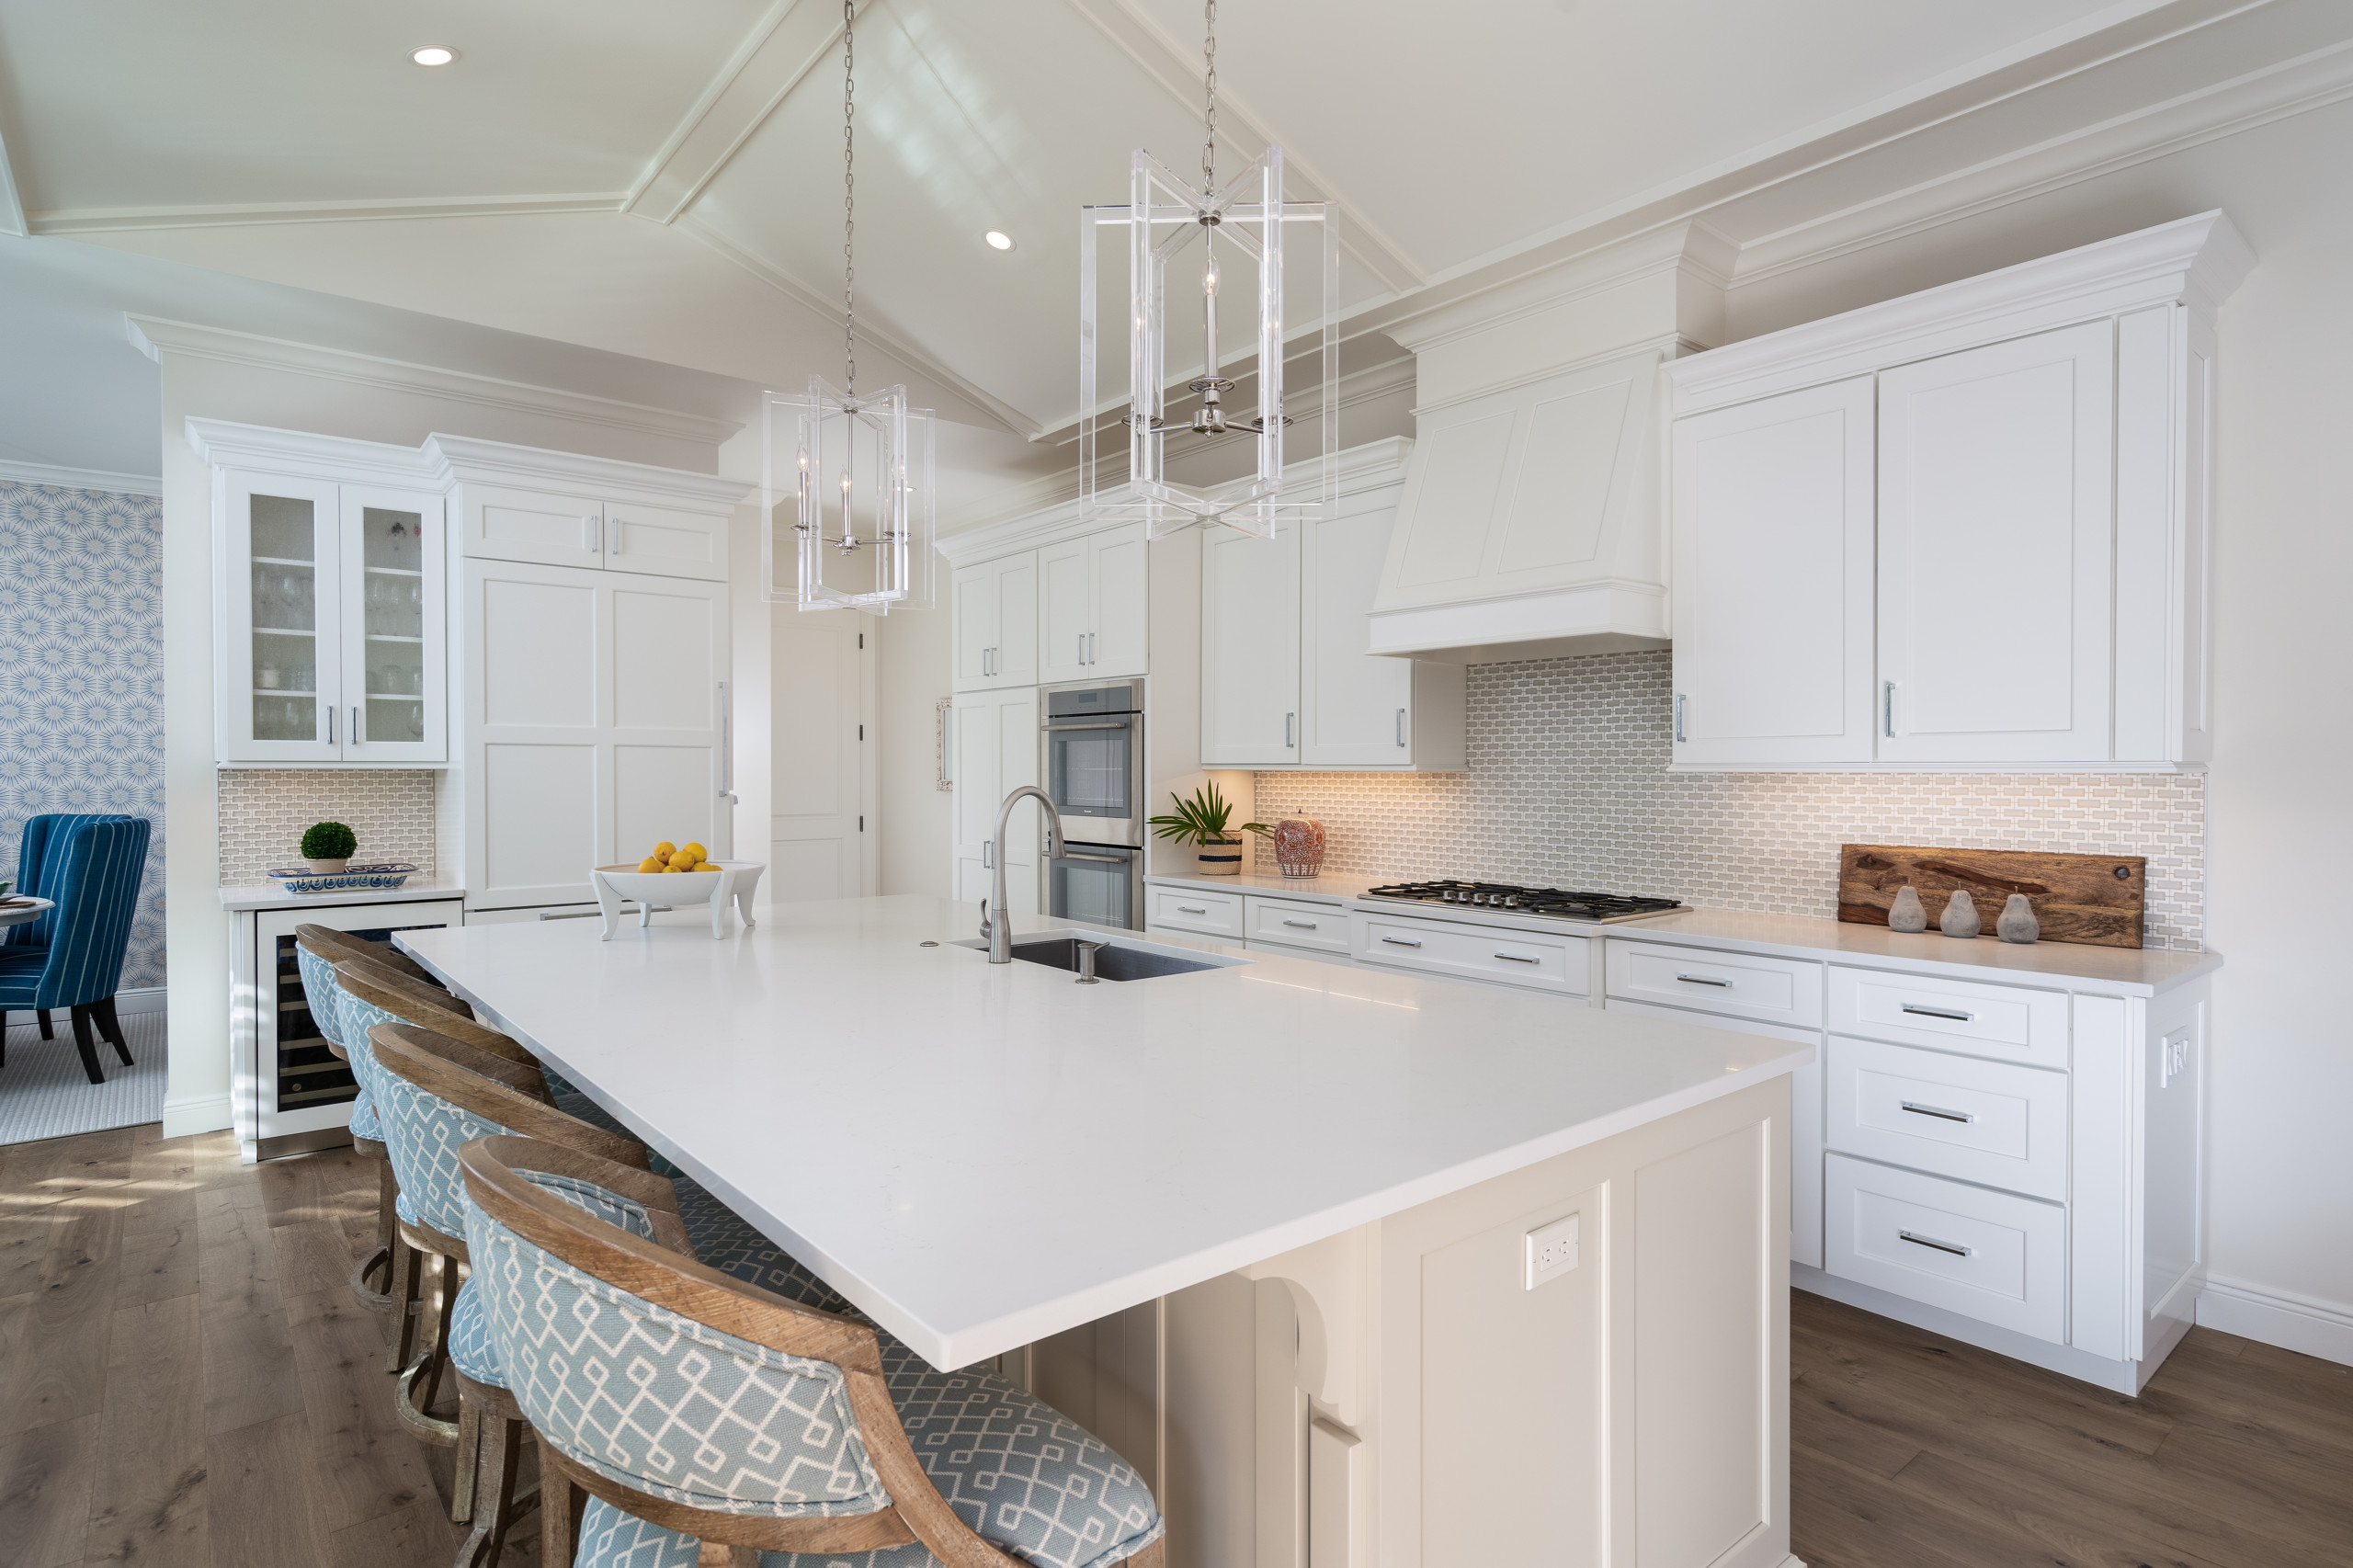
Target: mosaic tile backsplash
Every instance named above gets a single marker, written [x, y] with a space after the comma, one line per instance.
[1566, 786]
[265, 809]
[82, 676]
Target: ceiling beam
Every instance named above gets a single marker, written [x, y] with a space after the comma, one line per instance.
[120, 219]
[792, 39]
[1177, 71]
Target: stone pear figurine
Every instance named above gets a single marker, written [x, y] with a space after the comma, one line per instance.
[2017, 923]
[1960, 914]
[1907, 913]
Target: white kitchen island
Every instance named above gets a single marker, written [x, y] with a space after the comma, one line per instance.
[1271, 1228]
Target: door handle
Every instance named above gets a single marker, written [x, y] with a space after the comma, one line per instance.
[1401, 726]
[1887, 709]
[1287, 720]
[356, 737]
[1956, 1015]
[1094, 647]
[1934, 1111]
[1399, 942]
[1190, 909]
[1302, 925]
[1679, 716]
[330, 723]
[1518, 958]
[726, 749]
[988, 854]
[597, 536]
[1703, 979]
[1082, 647]
[1932, 1242]
[1098, 859]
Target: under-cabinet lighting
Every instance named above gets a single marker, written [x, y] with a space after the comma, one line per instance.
[433, 54]
[998, 239]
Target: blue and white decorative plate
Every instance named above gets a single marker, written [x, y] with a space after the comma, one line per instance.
[351, 879]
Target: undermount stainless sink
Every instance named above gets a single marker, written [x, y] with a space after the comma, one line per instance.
[1113, 960]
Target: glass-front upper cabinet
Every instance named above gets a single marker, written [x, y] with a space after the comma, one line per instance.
[333, 645]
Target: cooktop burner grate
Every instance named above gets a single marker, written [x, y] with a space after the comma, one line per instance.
[1603, 907]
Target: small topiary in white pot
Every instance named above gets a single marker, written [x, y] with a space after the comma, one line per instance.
[327, 848]
[1201, 822]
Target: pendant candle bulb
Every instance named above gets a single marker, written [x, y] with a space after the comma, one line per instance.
[879, 450]
[1251, 215]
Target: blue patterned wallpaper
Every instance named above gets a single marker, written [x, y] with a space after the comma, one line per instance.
[82, 676]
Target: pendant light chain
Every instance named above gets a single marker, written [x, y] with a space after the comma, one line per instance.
[849, 198]
[1208, 56]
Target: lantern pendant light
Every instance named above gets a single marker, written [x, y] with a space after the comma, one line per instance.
[1246, 225]
[860, 468]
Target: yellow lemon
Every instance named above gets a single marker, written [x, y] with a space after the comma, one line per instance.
[699, 852]
[669, 869]
[682, 859]
[665, 849]
[649, 864]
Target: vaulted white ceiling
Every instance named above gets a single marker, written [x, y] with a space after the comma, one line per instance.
[665, 181]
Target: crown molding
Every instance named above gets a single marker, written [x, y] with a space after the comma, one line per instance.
[784, 283]
[154, 337]
[123, 219]
[1692, 247]
[466, 457]
[1174, 67]
[2199, 259]
[105, 480]
[226, 443]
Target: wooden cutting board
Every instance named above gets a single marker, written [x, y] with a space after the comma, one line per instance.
[2092, 899]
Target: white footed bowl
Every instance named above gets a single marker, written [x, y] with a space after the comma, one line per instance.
[728, 882]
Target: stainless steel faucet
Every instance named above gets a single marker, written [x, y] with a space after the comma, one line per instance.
[997, 928]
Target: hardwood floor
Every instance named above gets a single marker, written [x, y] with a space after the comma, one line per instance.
[185, 1382]
[1909, 1449]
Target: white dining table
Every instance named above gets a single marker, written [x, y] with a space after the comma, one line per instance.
[16, 912]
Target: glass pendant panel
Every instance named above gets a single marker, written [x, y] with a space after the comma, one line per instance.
[1233, 293]
[846, 488]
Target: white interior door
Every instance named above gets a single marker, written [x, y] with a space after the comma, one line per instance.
[1354, 707]
[821, 691]
[1995, 538]
[1773, 562]
[1014, 660]
[1250, 648]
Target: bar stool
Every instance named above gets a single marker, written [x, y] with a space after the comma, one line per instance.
[348, 945]
[324, 992]
[688, 1407]
[436, 1094]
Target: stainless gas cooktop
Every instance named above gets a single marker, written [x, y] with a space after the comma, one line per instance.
[1604, 908]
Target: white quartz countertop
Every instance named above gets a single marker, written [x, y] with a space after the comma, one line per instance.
[2124, 972]
[269, 895]
[981, 1155]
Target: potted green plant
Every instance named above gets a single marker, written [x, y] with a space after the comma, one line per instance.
[1201, 822]
[327, 848]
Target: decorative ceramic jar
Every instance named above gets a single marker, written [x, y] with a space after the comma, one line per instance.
[1219, 856]
[1299, 846]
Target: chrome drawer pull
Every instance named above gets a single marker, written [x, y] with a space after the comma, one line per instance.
[1932, 1110]
[1518, 958]
[1703, 979]
[1931, 1242]
[1190, 909]
[1940, 1013]
[1302, 925]
[1399, 942]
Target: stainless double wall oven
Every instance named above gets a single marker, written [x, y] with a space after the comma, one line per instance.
[1090, 760]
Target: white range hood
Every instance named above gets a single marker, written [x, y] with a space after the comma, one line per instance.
[1532, 521]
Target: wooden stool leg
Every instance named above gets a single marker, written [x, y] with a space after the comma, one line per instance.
[468, 1463]
[408, 1268]
[110, 1026]
[381, 1261]
[561, 1505]
[496, 1505]
[420, 1385]
[85, 1045]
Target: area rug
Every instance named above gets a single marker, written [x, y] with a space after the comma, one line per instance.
[45, 1094]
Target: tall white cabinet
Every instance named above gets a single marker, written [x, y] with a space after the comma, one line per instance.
[995, 738]
[1974, 519]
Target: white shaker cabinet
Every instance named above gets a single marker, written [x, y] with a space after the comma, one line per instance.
[1288, 680]
[329, 646]
[1092, 607]
[995, 623]
[994, 735]
[1995, 538]
[1773, 517]
[577, 521]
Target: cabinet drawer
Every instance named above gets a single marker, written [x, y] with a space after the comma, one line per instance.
[1540, 959]
[1772, 991]
[1951, 1015]
[1990, 1255]
[1320, 926]
[1186, 909]
[1984, 1121]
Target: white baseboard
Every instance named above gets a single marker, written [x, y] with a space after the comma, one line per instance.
[198, 1113]
[2277, 1317]
[143, 999]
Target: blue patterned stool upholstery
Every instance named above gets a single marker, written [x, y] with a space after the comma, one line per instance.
[328, 1003]
[672, 1408]
[470, 1350]
[365, 1122]
[576, 1102]
[726, 1241]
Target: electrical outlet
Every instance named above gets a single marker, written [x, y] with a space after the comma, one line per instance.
[2176, 1061]
[1551, 1251]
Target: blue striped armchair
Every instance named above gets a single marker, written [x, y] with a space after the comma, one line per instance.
[71, 957]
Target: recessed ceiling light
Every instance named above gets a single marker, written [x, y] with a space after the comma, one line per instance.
[433, 54]
[998, 239]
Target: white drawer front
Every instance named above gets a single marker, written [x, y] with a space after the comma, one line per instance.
[1773, 991]
[1321, 926]
[1183, 909]
[1805, 1120]
[1311, 955]
[1957, 1116]
[1990, 1255]
[2008, 1021]
[1542, 960]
